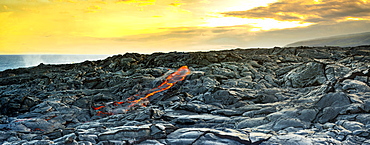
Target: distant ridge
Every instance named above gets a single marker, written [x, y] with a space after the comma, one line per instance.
[341, 40]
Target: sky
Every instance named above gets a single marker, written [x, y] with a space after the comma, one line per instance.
[147, 26]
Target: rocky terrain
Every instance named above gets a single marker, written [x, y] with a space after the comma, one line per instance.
[297, 95]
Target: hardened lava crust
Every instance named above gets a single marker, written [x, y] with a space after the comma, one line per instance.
[292, 95]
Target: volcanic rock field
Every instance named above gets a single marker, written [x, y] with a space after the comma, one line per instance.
[293, 95]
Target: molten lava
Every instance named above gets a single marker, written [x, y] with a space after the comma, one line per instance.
[170, 81]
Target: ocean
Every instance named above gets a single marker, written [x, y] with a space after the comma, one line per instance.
[23, 61]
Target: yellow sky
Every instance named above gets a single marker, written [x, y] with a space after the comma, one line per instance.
[146, 26]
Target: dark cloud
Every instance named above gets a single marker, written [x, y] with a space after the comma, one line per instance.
[286, 36]
[239, 37]
[327, 10]
[169, 33]
[203, 38]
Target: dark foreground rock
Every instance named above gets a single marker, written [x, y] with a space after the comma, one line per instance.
[245, 96]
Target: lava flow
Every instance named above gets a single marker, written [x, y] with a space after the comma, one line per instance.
[170, 81]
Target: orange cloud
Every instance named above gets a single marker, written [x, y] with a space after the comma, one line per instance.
[139, 2]
[176, 4]
[93, 9]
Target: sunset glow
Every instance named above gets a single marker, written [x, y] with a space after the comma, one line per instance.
[119, 26]
[255, 24]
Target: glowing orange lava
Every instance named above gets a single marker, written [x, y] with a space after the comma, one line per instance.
[170, 81]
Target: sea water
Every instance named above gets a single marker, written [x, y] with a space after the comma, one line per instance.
[23, 61]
